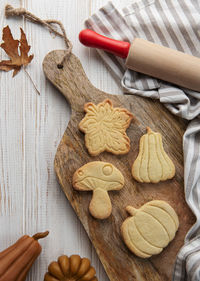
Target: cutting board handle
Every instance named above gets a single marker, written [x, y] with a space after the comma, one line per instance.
[70, 80]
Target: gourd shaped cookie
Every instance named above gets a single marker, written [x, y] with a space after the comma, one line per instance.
[150, 228]
[105, 128]
[99, 177]
[152, 164]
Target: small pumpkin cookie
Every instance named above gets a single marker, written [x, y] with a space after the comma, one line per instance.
[105, 128]
[150, 228]
[99, 177]
[152, 164]
[71, 268]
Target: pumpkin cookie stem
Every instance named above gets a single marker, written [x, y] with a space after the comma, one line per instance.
[149, 131]
[132, 211]
[40, 235]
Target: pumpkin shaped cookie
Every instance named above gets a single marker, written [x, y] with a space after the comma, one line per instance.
[150, 228]
[72, 268]
[152, 164]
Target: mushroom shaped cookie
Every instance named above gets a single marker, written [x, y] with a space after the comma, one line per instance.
[150, 228]
[99, 177]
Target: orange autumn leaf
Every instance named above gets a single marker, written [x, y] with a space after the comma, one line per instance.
[12, 47]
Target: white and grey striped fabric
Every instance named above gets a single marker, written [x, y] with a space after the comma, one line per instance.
[175, 24]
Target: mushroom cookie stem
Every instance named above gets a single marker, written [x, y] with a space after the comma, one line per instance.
[100, 205]
[99, 177]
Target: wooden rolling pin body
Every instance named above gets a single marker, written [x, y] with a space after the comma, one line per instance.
[149, 58]
[164, 63]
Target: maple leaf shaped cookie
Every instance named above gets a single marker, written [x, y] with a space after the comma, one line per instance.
[105, 128]
[11, 46]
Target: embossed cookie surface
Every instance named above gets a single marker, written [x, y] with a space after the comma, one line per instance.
[152, 164]
[150, 228]
[99, 177]
[105, 128]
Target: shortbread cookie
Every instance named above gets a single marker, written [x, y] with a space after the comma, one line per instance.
[150, 228]
[152, 164]
[105, 128]
[99, 177]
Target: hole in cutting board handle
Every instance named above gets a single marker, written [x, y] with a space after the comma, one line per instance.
[71, 80]
[59, 66]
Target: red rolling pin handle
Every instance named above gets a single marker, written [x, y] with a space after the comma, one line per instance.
[92, 39]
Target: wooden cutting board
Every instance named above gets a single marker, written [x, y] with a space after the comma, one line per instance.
[119, 263]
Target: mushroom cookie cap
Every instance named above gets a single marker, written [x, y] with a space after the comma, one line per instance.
[98, 174]
[150, 228]
[98, 177]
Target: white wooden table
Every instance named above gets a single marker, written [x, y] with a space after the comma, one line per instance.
[31, 127]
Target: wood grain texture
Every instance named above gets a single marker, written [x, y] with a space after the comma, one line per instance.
[119, 263]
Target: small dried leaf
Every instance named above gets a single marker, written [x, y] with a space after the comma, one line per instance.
[11, 47]
[24, 49]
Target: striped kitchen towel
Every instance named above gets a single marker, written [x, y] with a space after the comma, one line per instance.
[175, 24]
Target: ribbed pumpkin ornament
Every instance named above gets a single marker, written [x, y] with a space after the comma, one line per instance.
[150, 228]
[152, 163]
[16, 260]
[72, 268]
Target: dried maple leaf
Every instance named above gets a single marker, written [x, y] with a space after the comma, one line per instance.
[105, 128]
[11, 47]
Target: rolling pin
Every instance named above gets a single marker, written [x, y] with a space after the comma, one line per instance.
[149, 58]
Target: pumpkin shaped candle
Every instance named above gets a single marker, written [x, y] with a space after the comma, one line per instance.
[16, 261]
[152, 164]
[150, 228]
[72, 268]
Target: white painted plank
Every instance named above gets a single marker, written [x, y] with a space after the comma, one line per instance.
[11, 148]
[101, 77]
